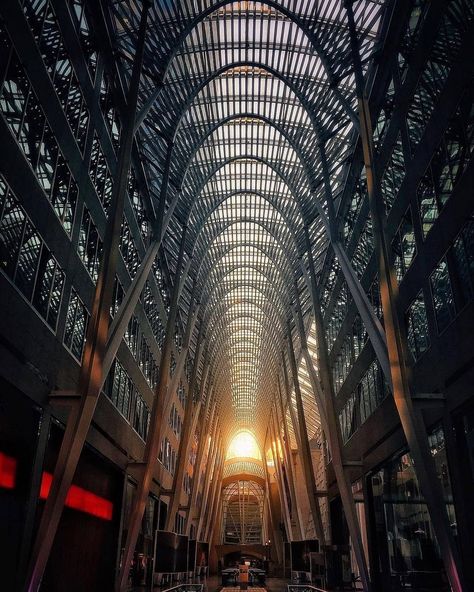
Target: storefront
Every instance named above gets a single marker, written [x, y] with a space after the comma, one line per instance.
[405, 552]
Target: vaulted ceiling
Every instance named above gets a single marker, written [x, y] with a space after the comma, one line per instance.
[247, 99]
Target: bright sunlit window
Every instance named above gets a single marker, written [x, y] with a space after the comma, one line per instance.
[243, 445]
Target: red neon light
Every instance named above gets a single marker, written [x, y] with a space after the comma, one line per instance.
[7, 471]
[46, 480]
[80, 499]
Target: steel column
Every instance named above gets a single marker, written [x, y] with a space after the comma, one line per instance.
[200, 456]
[212, 518]
[90, 376]
[306, 457]
[371, 322]
[147, 105]
[190, 415]
[323, 392]
[211, 460]
[270, 506]
[289, 464]
[214, 483]
[294, 420]
[411, 418]
[279, 476]
[178, 372]
[153, 441]
[130, 300]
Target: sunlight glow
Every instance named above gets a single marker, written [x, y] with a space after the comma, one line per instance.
[244, 445]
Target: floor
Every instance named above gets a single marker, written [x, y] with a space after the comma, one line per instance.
[277, 584]
[213, 584]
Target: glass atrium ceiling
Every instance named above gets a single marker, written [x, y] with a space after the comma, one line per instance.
[248, 97]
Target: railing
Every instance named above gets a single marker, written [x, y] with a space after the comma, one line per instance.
[304, 588]
[185, 588]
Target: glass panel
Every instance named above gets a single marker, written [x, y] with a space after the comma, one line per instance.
[442, 295]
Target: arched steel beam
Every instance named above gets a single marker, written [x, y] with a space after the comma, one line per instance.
[261, 359]
[217, 275]
[259, 221]
[212, 127]
[246, 346]
[227, 291]
[314, 42]
[247, 302]
[215, 292]
[257, 116]
[253, 296]
[225, 250]
[237, 267]
[242, 157]
[226, 323]
[306, 107]
[274, 349]
[226, 226]
[259, 194]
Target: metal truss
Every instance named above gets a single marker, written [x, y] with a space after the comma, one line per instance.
[243, 119]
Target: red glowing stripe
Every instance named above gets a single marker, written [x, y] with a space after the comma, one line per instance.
[46, 480]
[7, 471]
[80, 499]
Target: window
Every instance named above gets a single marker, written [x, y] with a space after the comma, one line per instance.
[448, 164]
[109, 112]
[117, 297]
[26, 260]
[90, 245]
[126, 398]
[365, 247]
[371, 390]
[152, 311]
[359, 336]
[141, 416]
[393, 175]
[129, 250]
[181, 392]
[131, 335]
[347, 418]
[120, 389]
[187, 483]
[43, 23]
[167, 456]
[403, 246]
[100, 174]
[417, 327]
[461, 256]
[443, 299]
[175, 421]
[83, 29]
[76, 325]
[179, 523]
[343, 363]
[375, 298]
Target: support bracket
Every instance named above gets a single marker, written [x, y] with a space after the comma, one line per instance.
[66, 398]
[425, 400]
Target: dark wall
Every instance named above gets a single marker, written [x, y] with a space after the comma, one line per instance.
[19, 422]
[85, 549]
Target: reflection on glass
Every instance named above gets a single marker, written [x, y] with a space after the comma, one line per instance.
[408, 549]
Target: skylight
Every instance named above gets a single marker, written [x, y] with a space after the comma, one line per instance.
[243, 445]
